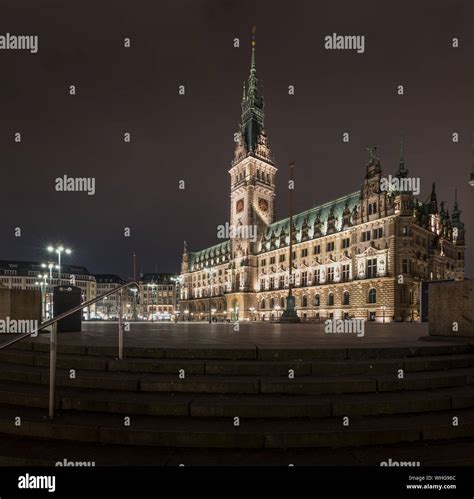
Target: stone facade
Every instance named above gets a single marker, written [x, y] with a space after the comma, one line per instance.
[362, 256]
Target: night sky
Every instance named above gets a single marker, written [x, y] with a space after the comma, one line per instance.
[191, 137]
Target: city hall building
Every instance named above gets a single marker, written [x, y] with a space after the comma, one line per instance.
[363, 255]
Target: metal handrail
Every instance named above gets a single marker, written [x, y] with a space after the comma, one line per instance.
[54, 331]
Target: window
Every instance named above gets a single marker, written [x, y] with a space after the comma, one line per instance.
[304, 301]
[281, 282]
[372, 208]
[316, 250]
[366, 236]
[372, 298]
[272, 283]
[293, 255]
[272, 303]
[371, 268]
[330, 246]
[404, 231]
[317, 276]
[263, 262]
[345, 272]
[346, 242]
[317, 300]
[282, 257]
[263, 304]
[330, 277]
[331, 299]
[304, 252]
[345, 298]
[405, 266]
[262, 284]
[272, 260]
[304, 278]
[378, 233]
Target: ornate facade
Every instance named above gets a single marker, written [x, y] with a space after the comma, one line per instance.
[363, 255]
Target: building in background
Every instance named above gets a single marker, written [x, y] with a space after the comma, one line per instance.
[158, 298]
[362, 256]
[108, 308]
[15, 274]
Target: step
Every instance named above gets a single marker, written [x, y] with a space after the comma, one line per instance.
[248, 352]
[30, 451]
[255, 406]
[255, 434]
[239, 367]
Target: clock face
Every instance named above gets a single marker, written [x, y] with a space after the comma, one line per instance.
[239, 205]
[263, 204]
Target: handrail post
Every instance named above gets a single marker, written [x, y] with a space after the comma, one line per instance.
[52, 367]
[120, 355]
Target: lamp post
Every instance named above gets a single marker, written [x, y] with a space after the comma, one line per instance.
[134, 304]
[42, 284]
[289, 314]
[277, 309]
[383, 312]
[252, 310]
[59, 250]
[50, 266]
[209, 274]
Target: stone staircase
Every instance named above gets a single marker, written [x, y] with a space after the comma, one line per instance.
[234, 405]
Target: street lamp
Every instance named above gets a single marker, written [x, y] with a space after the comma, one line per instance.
[209, 273]
[383, 311]
[42, 284]
[134, 303]
[152, 287]
[277, 309]
[252, 312]
[59, 250]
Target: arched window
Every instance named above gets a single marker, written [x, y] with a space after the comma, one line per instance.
[331, 299]
[372, 295]
[263, 304]
[317, 300]
[282, 302]
[272, 303]
[345, 298]
[304, 302]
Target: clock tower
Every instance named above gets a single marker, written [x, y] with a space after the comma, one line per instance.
[252, 185]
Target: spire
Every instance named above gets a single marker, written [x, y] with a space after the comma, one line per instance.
[456, 216]
[252, 117]
[402, 170]
[433, 200]
[243, 91]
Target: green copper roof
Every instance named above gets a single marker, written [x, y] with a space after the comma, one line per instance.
[215, 255]
[336, 208]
